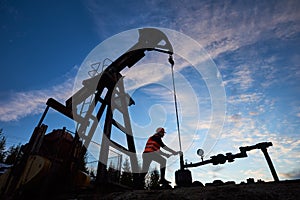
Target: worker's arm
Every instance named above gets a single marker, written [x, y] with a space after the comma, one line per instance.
[165, 154]
[160, 142]
[171, 150]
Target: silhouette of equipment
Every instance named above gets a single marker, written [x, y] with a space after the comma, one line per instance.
[53, 162]
[110, 84]
[58, 155]
[183, 176]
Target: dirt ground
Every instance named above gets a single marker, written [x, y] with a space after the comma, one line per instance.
[287, 190]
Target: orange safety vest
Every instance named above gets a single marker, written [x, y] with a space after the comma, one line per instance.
[151, 146]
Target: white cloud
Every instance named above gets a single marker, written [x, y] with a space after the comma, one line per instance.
[256, 174]
[244, 131]
[242, 76]
[22, 104]
[220, 27]
[293, 174]
[246, 98]
[224, 26]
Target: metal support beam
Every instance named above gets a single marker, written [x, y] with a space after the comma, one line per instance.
[271, 166]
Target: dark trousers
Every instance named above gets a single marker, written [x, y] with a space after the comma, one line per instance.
[157, 157]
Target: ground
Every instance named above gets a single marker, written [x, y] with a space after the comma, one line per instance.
[288, 190]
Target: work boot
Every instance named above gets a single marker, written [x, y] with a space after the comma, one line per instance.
[164, 181]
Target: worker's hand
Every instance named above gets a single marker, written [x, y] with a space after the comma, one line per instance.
[178, 153]
[168, 155]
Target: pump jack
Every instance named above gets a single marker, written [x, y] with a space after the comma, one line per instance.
[37, 162]
[50, 162]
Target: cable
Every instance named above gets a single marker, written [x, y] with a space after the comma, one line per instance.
[171, 61]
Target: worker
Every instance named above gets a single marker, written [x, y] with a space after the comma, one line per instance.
[152, 152]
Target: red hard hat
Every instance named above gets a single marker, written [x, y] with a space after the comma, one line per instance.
[160, 130]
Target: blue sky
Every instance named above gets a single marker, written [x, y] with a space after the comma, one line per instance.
[253, 44]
